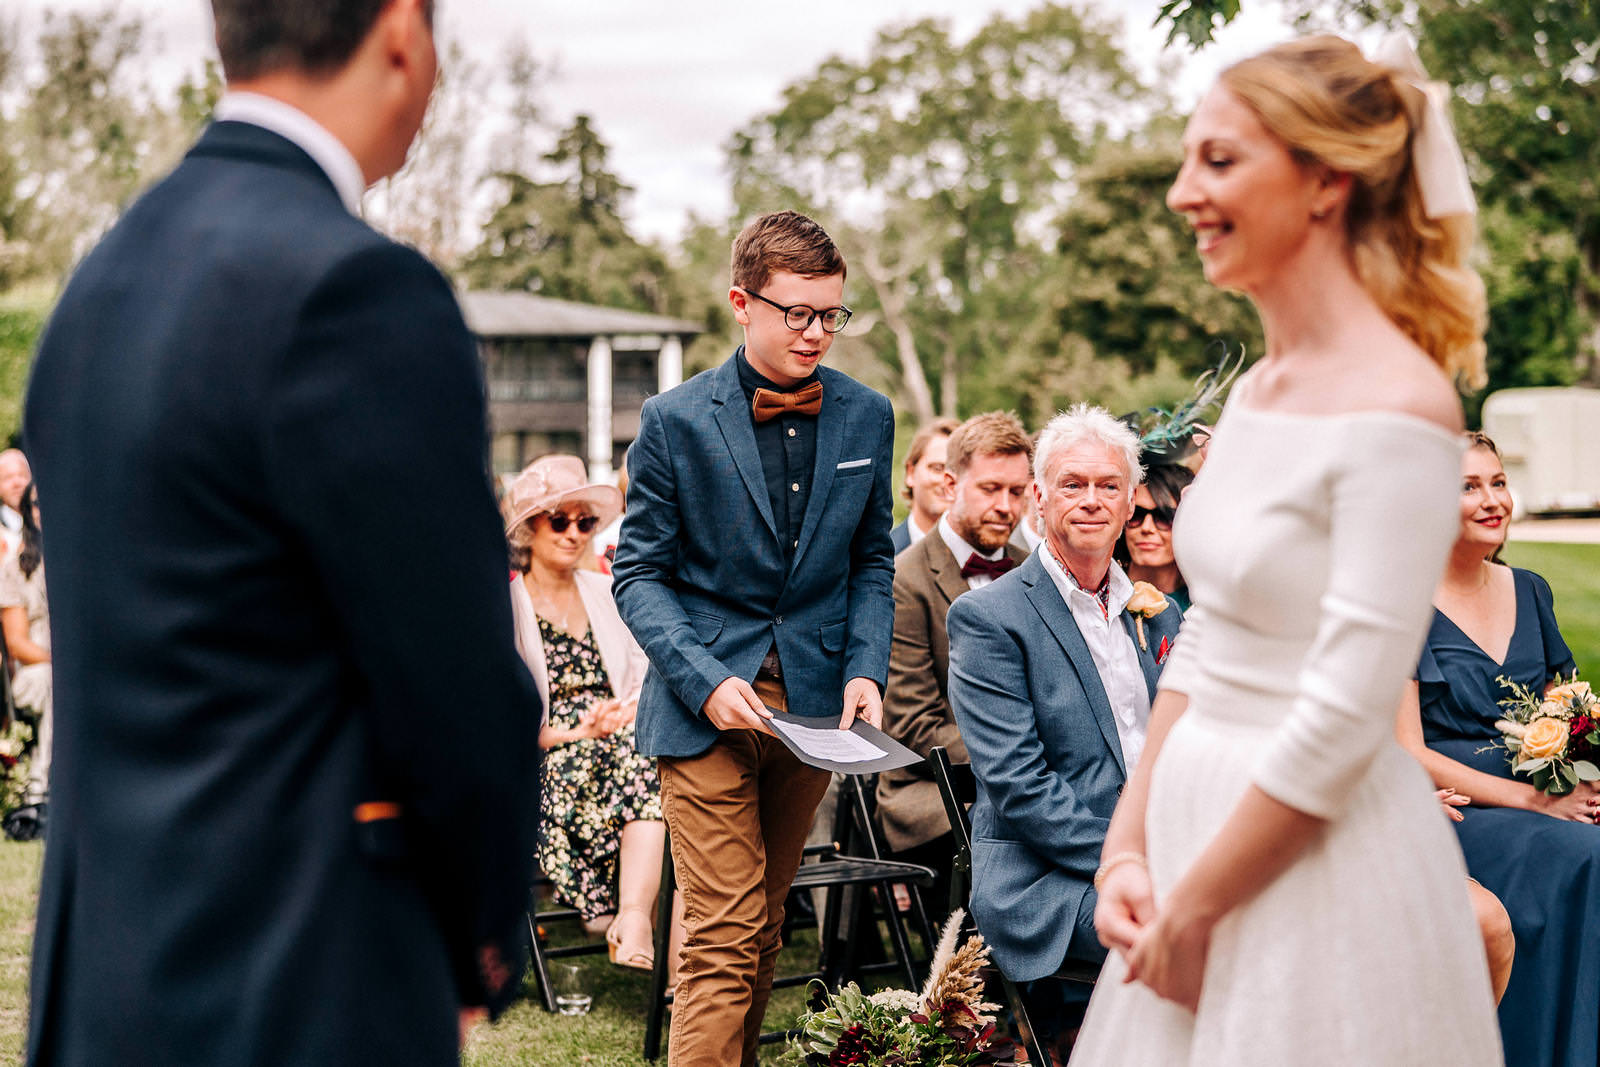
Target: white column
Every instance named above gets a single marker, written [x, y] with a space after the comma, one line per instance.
[600, 410]
[669, 365]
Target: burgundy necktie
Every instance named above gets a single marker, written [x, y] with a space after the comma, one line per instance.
[994, 568]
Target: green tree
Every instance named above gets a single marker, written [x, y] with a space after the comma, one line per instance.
[1196, 21]
[1131, 320]
[21, 321]
[566, 238]
[427, 203]
[1526, 104]
[702, 263]
[84, 134]
[937, 165]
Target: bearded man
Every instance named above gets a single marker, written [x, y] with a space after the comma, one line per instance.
[987, 473]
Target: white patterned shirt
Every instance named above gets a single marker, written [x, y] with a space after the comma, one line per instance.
[1116, 657]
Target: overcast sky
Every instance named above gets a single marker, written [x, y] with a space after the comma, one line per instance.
[667, 83]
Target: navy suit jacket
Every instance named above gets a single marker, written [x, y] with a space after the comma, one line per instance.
[1045, 751]
[277, 591]
[702, 581]
[901, 536]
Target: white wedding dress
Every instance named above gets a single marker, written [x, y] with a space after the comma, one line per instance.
[1311, 545]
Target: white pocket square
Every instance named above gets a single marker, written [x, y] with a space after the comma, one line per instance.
[847, 464]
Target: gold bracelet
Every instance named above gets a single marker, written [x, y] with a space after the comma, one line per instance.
[1116, 861]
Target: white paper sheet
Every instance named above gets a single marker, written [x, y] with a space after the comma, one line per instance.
[840, 746]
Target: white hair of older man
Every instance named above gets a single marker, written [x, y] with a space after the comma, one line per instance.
[1086, 422]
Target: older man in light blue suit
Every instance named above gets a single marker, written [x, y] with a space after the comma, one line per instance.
[1051, 678]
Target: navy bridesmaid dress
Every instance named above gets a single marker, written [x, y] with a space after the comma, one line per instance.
[1545, 870]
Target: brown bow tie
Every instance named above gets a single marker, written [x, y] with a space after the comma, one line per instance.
[769, 405]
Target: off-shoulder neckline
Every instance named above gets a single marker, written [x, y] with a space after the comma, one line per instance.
[1405, 418]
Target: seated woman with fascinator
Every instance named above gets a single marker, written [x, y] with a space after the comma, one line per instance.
[1540, 854]
[1145, 550]
[600, 832]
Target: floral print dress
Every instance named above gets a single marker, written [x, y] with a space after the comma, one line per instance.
[590, 788]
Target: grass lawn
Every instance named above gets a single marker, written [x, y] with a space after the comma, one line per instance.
[611, 1035]
[19, 893]
[1573, 572]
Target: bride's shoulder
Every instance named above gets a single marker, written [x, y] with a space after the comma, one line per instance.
[1395, 380]
[1398, 380]
[1411, 384]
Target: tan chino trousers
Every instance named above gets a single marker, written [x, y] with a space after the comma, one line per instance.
[739, 814]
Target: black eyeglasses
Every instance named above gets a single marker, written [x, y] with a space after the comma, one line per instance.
[1163, 517]
[559, 522]
[798, 316]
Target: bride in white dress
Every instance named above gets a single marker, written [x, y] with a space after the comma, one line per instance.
[1279, 885]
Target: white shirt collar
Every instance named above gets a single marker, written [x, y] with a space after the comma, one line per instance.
[1121, 586]
[294, 125]
[959, 547]
[1111, 646]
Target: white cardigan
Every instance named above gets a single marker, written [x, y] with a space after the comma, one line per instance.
[620, 654]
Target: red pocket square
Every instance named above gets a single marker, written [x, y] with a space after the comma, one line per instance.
[1164, 650]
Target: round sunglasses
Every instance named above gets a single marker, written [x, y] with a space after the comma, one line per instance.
[559, 522]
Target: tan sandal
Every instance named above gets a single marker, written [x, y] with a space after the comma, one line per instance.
[640, 959]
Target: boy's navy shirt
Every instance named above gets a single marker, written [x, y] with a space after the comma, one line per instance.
[788, 448]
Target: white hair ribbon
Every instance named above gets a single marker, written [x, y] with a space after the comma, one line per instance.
[1435, 155]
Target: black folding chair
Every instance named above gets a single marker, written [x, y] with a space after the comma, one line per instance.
[958, 788]
[541, 952]
[860, 838]
[828, 867]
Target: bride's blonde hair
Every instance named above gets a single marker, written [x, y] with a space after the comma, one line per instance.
[1324, 100]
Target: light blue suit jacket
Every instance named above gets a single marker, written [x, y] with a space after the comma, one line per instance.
[1045, 751]
[702, 581]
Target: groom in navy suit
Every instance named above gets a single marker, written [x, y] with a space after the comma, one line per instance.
[1052, 670]
[754, 567]
[292, 812]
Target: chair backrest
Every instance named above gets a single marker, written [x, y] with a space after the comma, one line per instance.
[856, 825]
[957, 788]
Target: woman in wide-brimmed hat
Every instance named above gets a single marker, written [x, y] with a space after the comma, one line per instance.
[600, 834]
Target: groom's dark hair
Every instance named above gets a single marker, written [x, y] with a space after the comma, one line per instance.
[257, 37]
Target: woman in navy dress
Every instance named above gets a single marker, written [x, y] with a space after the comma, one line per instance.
[1539, 854]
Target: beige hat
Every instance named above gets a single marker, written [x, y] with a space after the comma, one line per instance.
[551, 481]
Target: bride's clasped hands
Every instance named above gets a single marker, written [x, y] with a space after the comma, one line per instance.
[1164, 948]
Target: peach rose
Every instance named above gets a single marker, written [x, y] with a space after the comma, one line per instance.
[1546, 737]
[1567, 696]
[1146, 600]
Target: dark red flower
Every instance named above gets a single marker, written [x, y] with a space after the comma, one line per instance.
[853, 1048]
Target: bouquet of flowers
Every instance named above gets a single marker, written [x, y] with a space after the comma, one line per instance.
[946, 1025]
[1553, 738]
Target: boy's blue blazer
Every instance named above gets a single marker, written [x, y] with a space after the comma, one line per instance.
[701, 579]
